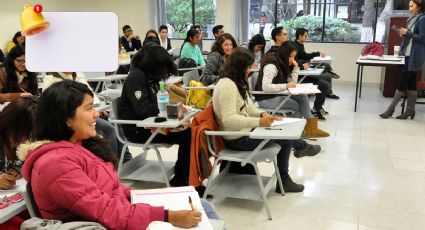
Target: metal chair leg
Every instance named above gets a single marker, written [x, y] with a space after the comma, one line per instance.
[263, 192]
[161, 164]
[210, 179]
[279, 178]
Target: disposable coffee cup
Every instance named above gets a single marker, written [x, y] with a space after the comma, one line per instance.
[396, 51]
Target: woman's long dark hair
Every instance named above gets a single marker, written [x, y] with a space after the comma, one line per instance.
[235, 68]
[58, 104]
[12, 85]
[220, 40]
[155, 62]
[190, 34]
[16, 125]
[283, 53]
[258, 39]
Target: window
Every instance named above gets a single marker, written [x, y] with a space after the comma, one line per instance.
[181, 14]
[327, 20]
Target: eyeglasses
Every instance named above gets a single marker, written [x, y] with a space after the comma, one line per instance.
[129, 31]
[20, 61]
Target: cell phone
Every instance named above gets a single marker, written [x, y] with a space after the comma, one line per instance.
[395, 27]
[160, 119]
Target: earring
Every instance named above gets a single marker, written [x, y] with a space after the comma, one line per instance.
[67, 123]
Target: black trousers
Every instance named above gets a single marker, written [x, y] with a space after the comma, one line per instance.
[183, 139]
[247, 144]
[407, 79]
[323, 84]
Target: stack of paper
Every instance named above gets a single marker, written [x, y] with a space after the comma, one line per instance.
[284, 121]
[322, 59]
[19, 187]
[306, 88]
[176, 198]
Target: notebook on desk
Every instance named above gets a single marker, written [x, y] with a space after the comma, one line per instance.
[176, 198]
[305, 88]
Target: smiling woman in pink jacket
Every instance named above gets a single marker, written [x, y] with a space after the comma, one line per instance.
[71, 170]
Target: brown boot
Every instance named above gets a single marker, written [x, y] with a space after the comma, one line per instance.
[312, 131]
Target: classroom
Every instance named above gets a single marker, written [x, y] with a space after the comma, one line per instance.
[267, 114]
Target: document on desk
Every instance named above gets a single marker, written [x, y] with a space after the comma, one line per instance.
[381, 58]
[322, 59]
[19, 187]
[307, 88]
[176, 198]
[284, 121]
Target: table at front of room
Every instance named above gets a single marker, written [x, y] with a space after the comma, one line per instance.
[368, 62]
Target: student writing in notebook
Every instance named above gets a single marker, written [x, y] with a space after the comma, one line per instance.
[16, 81]
[72, 170]
[278, 72]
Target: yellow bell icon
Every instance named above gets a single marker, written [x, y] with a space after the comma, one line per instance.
[32, 22]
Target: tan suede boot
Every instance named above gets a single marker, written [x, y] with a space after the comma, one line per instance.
[312, 131]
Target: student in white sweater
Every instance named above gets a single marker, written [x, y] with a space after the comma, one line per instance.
[235, 111]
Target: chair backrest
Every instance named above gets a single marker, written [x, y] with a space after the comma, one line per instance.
[114, 107]
[189, 76]
[30, 202]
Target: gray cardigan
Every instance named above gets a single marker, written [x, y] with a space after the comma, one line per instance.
[212, 68]
[417, 53]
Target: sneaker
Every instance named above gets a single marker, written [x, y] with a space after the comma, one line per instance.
[332, 96]
[319, 115]
[289, 185]
[324, 112]
[308, 150]
[201, 190]
[334, 75]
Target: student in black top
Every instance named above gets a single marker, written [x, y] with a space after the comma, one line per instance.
[323, 82]
[138, 101]
[129, 41]
[218, 31]
[163, 37]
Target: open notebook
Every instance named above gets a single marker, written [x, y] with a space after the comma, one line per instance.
[286, 120]
[176, 198]
[304, 88]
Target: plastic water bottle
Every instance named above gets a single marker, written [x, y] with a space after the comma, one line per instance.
[163, 99]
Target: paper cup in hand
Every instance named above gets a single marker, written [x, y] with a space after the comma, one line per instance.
[396, 51]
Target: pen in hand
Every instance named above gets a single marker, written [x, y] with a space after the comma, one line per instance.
[191, 204]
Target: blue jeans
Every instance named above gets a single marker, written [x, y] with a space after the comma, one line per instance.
[298, 103]
[211, 214]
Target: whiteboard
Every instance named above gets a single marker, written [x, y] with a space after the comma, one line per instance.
[75, 42]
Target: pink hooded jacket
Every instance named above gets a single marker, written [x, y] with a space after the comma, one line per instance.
[71, 183]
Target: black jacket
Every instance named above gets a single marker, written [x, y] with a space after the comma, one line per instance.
[138, 98]
[303, 57]
[135, 44]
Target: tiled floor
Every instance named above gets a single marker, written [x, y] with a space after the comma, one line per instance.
[370, 174]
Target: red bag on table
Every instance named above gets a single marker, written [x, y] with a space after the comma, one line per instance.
[373, 48]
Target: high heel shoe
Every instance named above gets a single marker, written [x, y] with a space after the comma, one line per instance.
[406, 115]
[386, 114]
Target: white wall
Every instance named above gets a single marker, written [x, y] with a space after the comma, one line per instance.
[136, 13]
[142, 14]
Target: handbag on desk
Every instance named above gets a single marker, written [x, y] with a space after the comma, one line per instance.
[373, 48]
